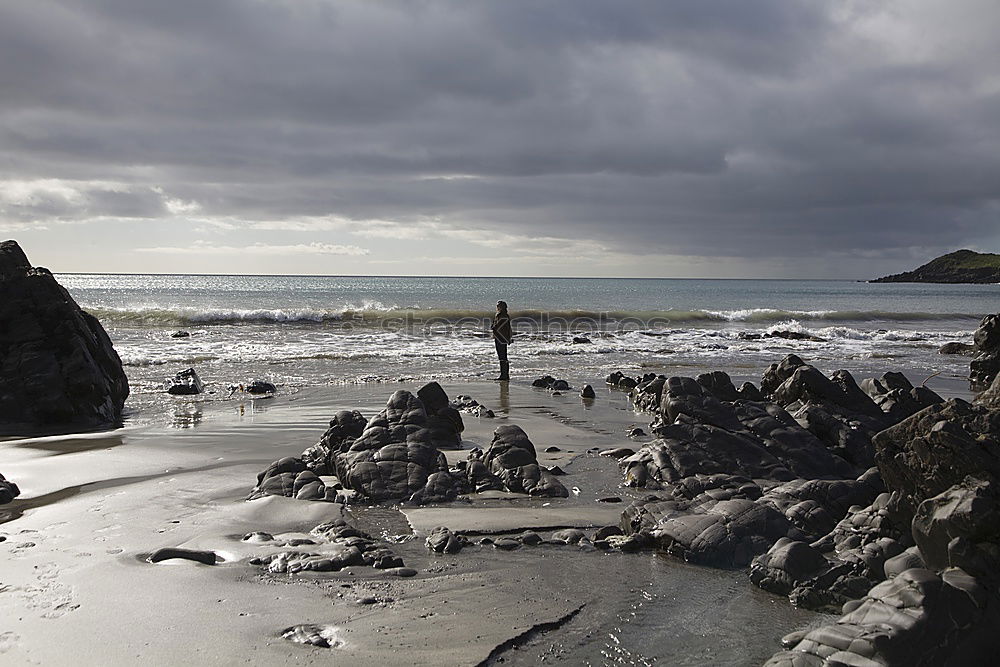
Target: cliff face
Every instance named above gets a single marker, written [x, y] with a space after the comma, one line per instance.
[962, 266]
[58, 369]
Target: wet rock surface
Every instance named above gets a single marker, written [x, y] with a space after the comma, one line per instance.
[925, 553]
[58, 368]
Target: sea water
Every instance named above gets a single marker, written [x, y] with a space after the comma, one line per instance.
[299, 331]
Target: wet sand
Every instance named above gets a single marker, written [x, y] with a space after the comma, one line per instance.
[76, 588]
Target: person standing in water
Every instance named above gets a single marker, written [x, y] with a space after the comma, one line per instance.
[502, 336]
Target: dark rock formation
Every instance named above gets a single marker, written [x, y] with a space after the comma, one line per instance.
[934, 537]
[345, 427]
[58, 369]
[587, 392]
[986, 362]
[8, 490]
[185, 383]
[170, 553]
[181, 334]
[794, 335]
[961, 266]
[396, 457]
[510, 464]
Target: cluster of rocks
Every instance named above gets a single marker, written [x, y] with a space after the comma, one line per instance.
[879, 499]
[8, 490]
[396, 456]
[58, 369]
[549, 382]
[932, 542]
[471, 406]
[188, 383]
[443, 541]
[351, 547]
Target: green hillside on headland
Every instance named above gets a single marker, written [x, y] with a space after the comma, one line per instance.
[961, 266]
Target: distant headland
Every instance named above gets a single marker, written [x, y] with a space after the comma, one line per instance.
[961, 266]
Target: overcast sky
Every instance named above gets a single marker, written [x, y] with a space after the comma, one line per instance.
[694, 138]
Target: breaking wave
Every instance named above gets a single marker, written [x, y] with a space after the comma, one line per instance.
[375, 313]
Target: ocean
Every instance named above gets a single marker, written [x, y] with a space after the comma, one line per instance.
[302, 331]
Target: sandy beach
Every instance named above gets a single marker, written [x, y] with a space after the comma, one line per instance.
[77, 588]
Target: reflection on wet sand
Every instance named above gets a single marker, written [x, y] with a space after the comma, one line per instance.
[68, 445]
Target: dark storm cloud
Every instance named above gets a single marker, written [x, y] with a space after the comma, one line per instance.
[771, 128]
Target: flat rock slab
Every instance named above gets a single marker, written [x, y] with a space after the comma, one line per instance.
[508, 519]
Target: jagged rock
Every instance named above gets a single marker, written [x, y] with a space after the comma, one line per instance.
[8, 490]
[777, 373]
[960, 527]
[916, 618]
[749, 392]
[684, 396]
[849, 438]
[986, 362]
[936, 449]
[807, 384]
[647, 392]
[185, 383]
[718, 384]
[58, 368]
[897, 398]
[511, 459]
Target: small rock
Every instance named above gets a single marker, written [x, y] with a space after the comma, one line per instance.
[506, 544]
[180, 334]
[609, 499]
[258, 537]
[605, 532]
[168, 553]
[636, 433]
[581, 340]
[587, 392]
[552, 449]
[530, 538]
[401, 571]
[568, 535]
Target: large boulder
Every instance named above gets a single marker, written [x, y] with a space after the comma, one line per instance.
[395, 457]
[345, 427]
[511, 460]
[58, 368]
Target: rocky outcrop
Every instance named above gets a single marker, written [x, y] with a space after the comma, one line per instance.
[934, 538]
[8, 490]
[510, 464]
[986, 360]
[396, 455]
[549, 382]
[58, 368]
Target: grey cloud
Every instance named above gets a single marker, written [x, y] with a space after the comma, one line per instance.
[770, 128]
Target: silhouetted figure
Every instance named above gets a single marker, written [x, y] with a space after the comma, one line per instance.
[502, 336]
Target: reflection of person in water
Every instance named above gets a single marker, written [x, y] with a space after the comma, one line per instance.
[502, 336]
